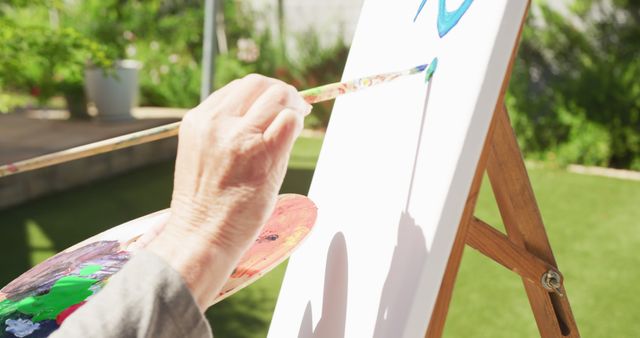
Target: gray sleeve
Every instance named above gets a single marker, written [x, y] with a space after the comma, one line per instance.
[147, 298]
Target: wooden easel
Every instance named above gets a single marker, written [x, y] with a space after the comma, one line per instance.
[525, 249]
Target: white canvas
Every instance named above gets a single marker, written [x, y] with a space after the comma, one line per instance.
[395, 169]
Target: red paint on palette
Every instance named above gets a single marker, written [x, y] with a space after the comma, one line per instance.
[62, 316]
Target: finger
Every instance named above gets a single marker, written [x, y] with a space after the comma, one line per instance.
[236, 97]
[151, 233]
[274, 100]
[282, 133]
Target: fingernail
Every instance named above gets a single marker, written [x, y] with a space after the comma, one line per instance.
[307, 109]
[302, 106]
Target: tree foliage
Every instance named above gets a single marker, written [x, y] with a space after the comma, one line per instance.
[575, 93]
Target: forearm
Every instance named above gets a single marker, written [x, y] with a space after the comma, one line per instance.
[147, 298]
[194, 257]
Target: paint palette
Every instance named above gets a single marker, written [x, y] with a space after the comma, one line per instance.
[36, 303]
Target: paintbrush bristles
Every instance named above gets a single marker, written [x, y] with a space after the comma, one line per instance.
[313, 95]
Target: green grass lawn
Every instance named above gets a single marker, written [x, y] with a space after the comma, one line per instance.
[592, 223]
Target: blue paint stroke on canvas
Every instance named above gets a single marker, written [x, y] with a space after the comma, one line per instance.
[446, 19]
[419, 10]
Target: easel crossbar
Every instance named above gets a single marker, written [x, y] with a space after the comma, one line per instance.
[497, 246]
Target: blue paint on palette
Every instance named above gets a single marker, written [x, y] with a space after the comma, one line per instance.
[446, 19]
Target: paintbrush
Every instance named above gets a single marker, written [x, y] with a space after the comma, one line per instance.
[313, 95]
[333, 90]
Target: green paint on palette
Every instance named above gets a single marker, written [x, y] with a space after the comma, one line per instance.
[432, 69]
[89, 270]
[7, 307]
[65, 292]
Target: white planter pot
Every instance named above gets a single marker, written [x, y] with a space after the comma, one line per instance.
[114, 92]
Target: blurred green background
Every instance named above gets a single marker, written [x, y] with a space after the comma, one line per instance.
[574, 95]
[574, 98]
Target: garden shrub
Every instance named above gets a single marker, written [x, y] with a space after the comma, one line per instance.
[166, 36]
[37, 59]
[588, 143]
[588, 70]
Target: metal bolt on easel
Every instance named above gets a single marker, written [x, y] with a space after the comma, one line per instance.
[552, 281]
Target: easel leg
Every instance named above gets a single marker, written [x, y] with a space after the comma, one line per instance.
[506, 170]
[441, 308]
[524, 225]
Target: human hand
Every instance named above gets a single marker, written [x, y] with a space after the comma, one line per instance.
[232, 156]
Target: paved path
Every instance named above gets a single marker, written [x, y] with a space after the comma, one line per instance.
[29, 134]
[35, 133]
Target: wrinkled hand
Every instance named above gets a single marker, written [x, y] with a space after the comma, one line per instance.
[232, 157]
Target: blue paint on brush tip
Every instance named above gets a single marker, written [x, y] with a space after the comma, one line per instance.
[422, 67]
[432, 69]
